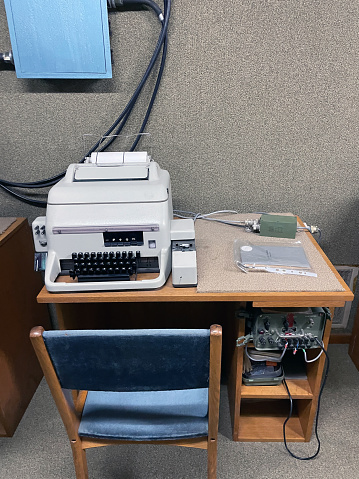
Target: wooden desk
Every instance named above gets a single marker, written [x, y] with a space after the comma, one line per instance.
[184, 307]
[20, 372]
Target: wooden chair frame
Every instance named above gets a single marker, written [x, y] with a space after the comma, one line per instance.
[70, 406]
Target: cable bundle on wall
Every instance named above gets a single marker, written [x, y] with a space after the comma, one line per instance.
[118, 125]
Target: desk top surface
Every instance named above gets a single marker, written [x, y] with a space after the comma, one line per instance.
[170, 294]
[261, 298]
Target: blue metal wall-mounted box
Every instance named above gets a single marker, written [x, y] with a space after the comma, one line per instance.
[59, 38]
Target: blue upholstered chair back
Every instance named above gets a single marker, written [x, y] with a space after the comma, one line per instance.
[130, 360]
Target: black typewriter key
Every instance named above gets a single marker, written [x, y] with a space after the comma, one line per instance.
[84, 270]
[82, 264]
[110, 271]
[102, 264]
[124, 255]
[120, 263]
[103, 270]
[130, 271]
[105, 255]
[123, 270]
[76, 265]
[80, 255]
[130, 254]
[99, 255]
[111, 254]
[118, 254]
[74, 256]
[93, 255]
[117, 270]
[88, 264]
[72, 273]
[98, 270]
[138, 254]
[91, 271]
[86, 255]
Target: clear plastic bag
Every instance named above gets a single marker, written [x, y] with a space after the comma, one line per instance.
[280, 258]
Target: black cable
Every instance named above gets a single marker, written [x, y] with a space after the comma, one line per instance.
[154, 94]
[120, 120]
[124, 3]
[149, 108]
[34, 184]
[135, 96]
[316, 416]
[23, 198]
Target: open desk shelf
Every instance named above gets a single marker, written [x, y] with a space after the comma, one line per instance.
[262, 421]
[258, 412]
[299, 389]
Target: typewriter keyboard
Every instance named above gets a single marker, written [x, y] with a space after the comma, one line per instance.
[104, 266]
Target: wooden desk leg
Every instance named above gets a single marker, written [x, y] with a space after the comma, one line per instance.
[64, 315]
[307, 410]
[235, 376]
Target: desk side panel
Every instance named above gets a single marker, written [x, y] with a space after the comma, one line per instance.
[20, 372]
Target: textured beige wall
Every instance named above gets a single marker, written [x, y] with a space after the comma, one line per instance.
[257, 111]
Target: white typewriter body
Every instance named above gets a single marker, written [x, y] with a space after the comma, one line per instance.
[108, 207]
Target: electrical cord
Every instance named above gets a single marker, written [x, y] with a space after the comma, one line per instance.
[240, 223]
[312, 230]
[314, 359]
[137, 92]
[25, 199]
[317, 414]
[154, 94]
[123, 3]
[206, 216]
[121, 120]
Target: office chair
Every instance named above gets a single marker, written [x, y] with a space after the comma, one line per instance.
[134, 386]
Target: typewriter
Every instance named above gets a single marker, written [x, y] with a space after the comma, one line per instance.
[109, 226]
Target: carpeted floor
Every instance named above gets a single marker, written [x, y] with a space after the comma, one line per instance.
[40, 449]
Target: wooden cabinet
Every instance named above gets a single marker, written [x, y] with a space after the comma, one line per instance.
[20, 372]
[258, 412]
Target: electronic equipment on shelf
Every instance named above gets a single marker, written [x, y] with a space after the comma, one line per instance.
[108, 223]
[276, 329]
[262, 369]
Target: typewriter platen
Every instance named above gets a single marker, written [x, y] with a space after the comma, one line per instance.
[109, 226]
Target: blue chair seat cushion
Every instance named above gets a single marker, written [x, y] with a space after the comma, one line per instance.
[145, 415]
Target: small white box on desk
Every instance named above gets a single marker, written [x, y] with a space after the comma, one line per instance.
[184, 257]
